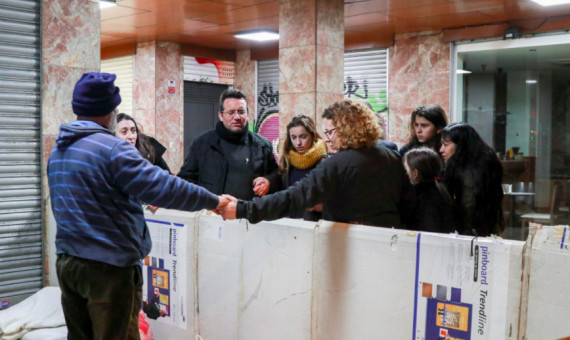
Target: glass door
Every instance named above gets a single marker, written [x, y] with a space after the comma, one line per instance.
[516, 93]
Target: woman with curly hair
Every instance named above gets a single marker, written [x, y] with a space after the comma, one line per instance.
[473, 175]
[363, 183]
[302, 151]
[425, 125]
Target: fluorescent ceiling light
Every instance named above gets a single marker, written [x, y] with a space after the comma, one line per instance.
[258, 36]
[106, 3]
[551, 2]
[463, 72]
[531, 81]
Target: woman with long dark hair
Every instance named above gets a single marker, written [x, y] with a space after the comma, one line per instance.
[473, 175]
[302, 151]
[425, 125]
[127, 129]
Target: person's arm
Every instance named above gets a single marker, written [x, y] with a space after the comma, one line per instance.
[272, 171]
[407, 199]
[190, 170]
[150, 184]
[319, 184]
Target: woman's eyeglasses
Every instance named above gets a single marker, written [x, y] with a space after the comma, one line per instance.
[328, 133]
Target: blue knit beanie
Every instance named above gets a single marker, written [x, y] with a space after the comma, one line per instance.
[95, 94]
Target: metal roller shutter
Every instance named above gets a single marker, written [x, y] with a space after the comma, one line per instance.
[366, 77]
[206, 70]
[21, 260]
[267, 105]
[267, 89]
[123, 68]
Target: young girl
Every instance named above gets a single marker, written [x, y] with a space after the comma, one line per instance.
[432, 212]
[301, 152]
[425, 125]
[473, 176]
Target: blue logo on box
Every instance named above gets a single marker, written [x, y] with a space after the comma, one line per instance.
[4, 304]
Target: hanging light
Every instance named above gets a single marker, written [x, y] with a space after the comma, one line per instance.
[107, 3]
[551, 2]
[258, 36]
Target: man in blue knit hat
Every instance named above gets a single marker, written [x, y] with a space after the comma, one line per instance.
[97, 183]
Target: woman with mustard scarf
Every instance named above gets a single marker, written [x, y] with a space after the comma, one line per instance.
[302, 151]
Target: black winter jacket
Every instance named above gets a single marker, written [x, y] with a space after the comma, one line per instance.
[206, 165]
[159, 150]
[432, 213]
[366, 186]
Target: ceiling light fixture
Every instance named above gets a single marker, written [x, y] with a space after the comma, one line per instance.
[531, 81]
[106, 3]
[258, 36]
[551, 2]
[463, 72]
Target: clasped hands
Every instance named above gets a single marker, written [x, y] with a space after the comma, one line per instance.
[228, 204]
[227, 207]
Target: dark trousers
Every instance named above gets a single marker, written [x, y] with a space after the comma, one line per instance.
[100, 301]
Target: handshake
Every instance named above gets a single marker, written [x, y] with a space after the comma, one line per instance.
[227, 207]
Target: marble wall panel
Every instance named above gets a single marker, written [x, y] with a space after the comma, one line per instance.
[297, 23]
[145, 120]
[329, 76]
[71, 33]
[57, 92]
[323, 100]
[48, 143]
[244, 79]
[418, 75]
[70, 47]
[309, 73]
[297, 67]
[170, 107]
[174, 155]
[330, 23]
[144, 76]
[292, 104]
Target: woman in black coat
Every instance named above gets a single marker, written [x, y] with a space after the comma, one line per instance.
[473, 175]
[148, 147]
[363, 183]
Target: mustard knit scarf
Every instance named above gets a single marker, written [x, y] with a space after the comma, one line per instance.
[309, 158]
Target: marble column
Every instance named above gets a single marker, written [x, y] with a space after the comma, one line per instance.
[159, 112]
[418, 75]
[311, 56]
[244, 79]
[70, 47]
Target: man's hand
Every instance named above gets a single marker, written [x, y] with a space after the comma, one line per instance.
[261, 186]
[224, 200]
[229, 211]
[152, 208]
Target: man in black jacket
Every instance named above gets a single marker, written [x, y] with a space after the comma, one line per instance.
[230, 159]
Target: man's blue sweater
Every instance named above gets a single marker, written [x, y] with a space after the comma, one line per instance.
[97, 183]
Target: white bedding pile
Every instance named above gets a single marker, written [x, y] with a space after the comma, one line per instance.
[40, 311]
